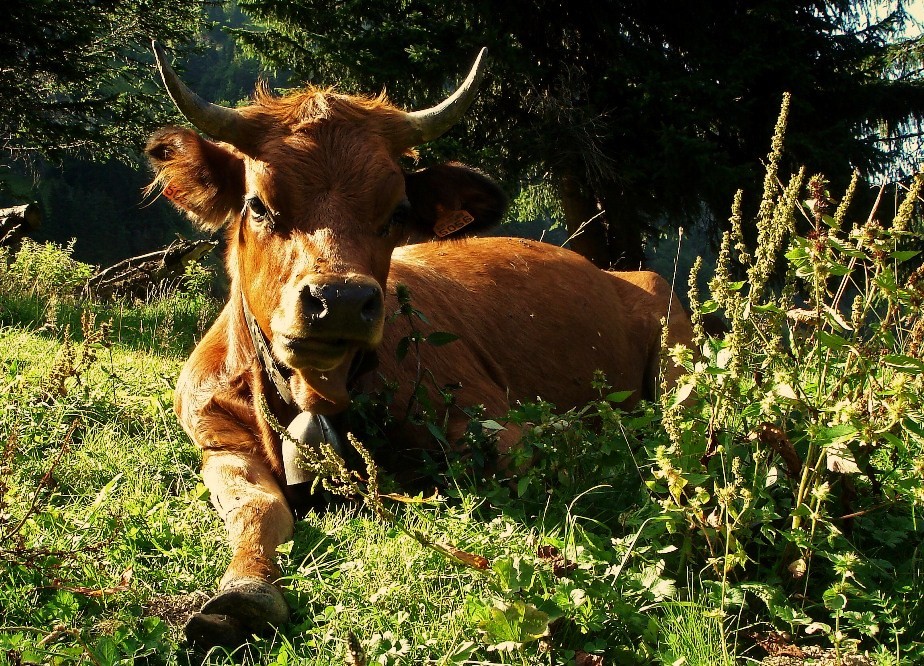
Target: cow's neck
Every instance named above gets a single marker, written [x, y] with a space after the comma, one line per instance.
[308, 428]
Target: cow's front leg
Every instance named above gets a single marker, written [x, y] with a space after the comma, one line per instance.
[258, 519]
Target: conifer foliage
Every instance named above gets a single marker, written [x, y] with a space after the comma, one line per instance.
[647, 111]
[76, 77]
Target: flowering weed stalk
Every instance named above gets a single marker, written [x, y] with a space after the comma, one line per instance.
[798, 436]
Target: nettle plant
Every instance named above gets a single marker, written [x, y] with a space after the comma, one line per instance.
[794, 472]
[46, 269]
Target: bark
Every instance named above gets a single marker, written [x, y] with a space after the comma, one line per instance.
[17, 222]
[599, 229]
[624, 233]
[139, 276]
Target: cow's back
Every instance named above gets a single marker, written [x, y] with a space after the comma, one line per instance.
[534, 320]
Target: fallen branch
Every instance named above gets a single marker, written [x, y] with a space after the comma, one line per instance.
[137, 277]
[17, 222]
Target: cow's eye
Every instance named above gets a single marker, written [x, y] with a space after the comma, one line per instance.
[257, 208]
[399, 217]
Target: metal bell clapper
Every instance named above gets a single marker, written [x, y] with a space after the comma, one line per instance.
[309, 430]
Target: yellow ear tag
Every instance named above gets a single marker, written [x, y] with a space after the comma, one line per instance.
[451, 221]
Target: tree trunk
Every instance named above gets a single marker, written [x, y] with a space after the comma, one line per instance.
[599, 230]
[18, 221]
[584, 219]
[625, 233]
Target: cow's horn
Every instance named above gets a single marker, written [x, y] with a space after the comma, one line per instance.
[430, 123]
[219, 122]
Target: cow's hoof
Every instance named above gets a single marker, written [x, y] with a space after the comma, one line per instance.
[252, 601]
[207, 631]
[242, 607]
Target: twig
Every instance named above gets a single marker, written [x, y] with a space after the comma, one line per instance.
[43, 482]
[581, 228]
[863, 512]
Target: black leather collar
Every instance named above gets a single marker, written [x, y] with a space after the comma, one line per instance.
[276, 376]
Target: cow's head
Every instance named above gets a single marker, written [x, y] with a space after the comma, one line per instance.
[314, 200]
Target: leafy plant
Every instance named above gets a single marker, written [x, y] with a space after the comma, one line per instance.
[48, 270]
[799, 462]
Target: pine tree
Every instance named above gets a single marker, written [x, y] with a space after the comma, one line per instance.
[644, 111]
[76, 76]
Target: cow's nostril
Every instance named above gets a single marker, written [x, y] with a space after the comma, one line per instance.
[372, 308]
[312, 305]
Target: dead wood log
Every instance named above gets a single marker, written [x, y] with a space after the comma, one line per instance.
[17, 222]
[139, 277]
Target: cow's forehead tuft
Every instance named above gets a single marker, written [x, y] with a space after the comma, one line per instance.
[302, 109]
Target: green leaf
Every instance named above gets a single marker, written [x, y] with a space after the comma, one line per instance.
[886, 280]
[404, 345]
[619, 396]
[514, 573]
[684, 391]
[841, 431]
[902, 363]
[904, 255]
[802, 511]
[509, 626]
[708, 307]
[105, 651]
[836, 317]
[462, 653]
[104, 493]
[437, 432]
[914, 426]
[523, 485]
[767, 307]
[697, 479]
[786, 391]
[834, 600]
[775, 601]
[831, 340]
[440, 338]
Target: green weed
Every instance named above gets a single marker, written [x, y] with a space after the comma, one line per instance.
[794, 477]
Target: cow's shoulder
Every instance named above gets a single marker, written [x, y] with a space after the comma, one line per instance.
[214, 392]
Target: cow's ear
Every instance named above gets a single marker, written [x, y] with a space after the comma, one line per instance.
[204, 179]
[452, 200]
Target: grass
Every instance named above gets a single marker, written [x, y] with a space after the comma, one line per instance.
[110, 536]
[693, 635]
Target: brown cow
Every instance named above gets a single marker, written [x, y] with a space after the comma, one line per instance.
[314, 203]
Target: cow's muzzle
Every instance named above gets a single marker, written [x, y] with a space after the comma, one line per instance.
[331, 319]
[345, 308]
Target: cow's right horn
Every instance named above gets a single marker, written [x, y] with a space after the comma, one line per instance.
[430, 123]
[219, 122]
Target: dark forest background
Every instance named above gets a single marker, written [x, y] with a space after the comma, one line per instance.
[638, 117]
[99, 200]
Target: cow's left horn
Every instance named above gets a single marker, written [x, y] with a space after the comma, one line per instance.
[219, 122]
[430, 123]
